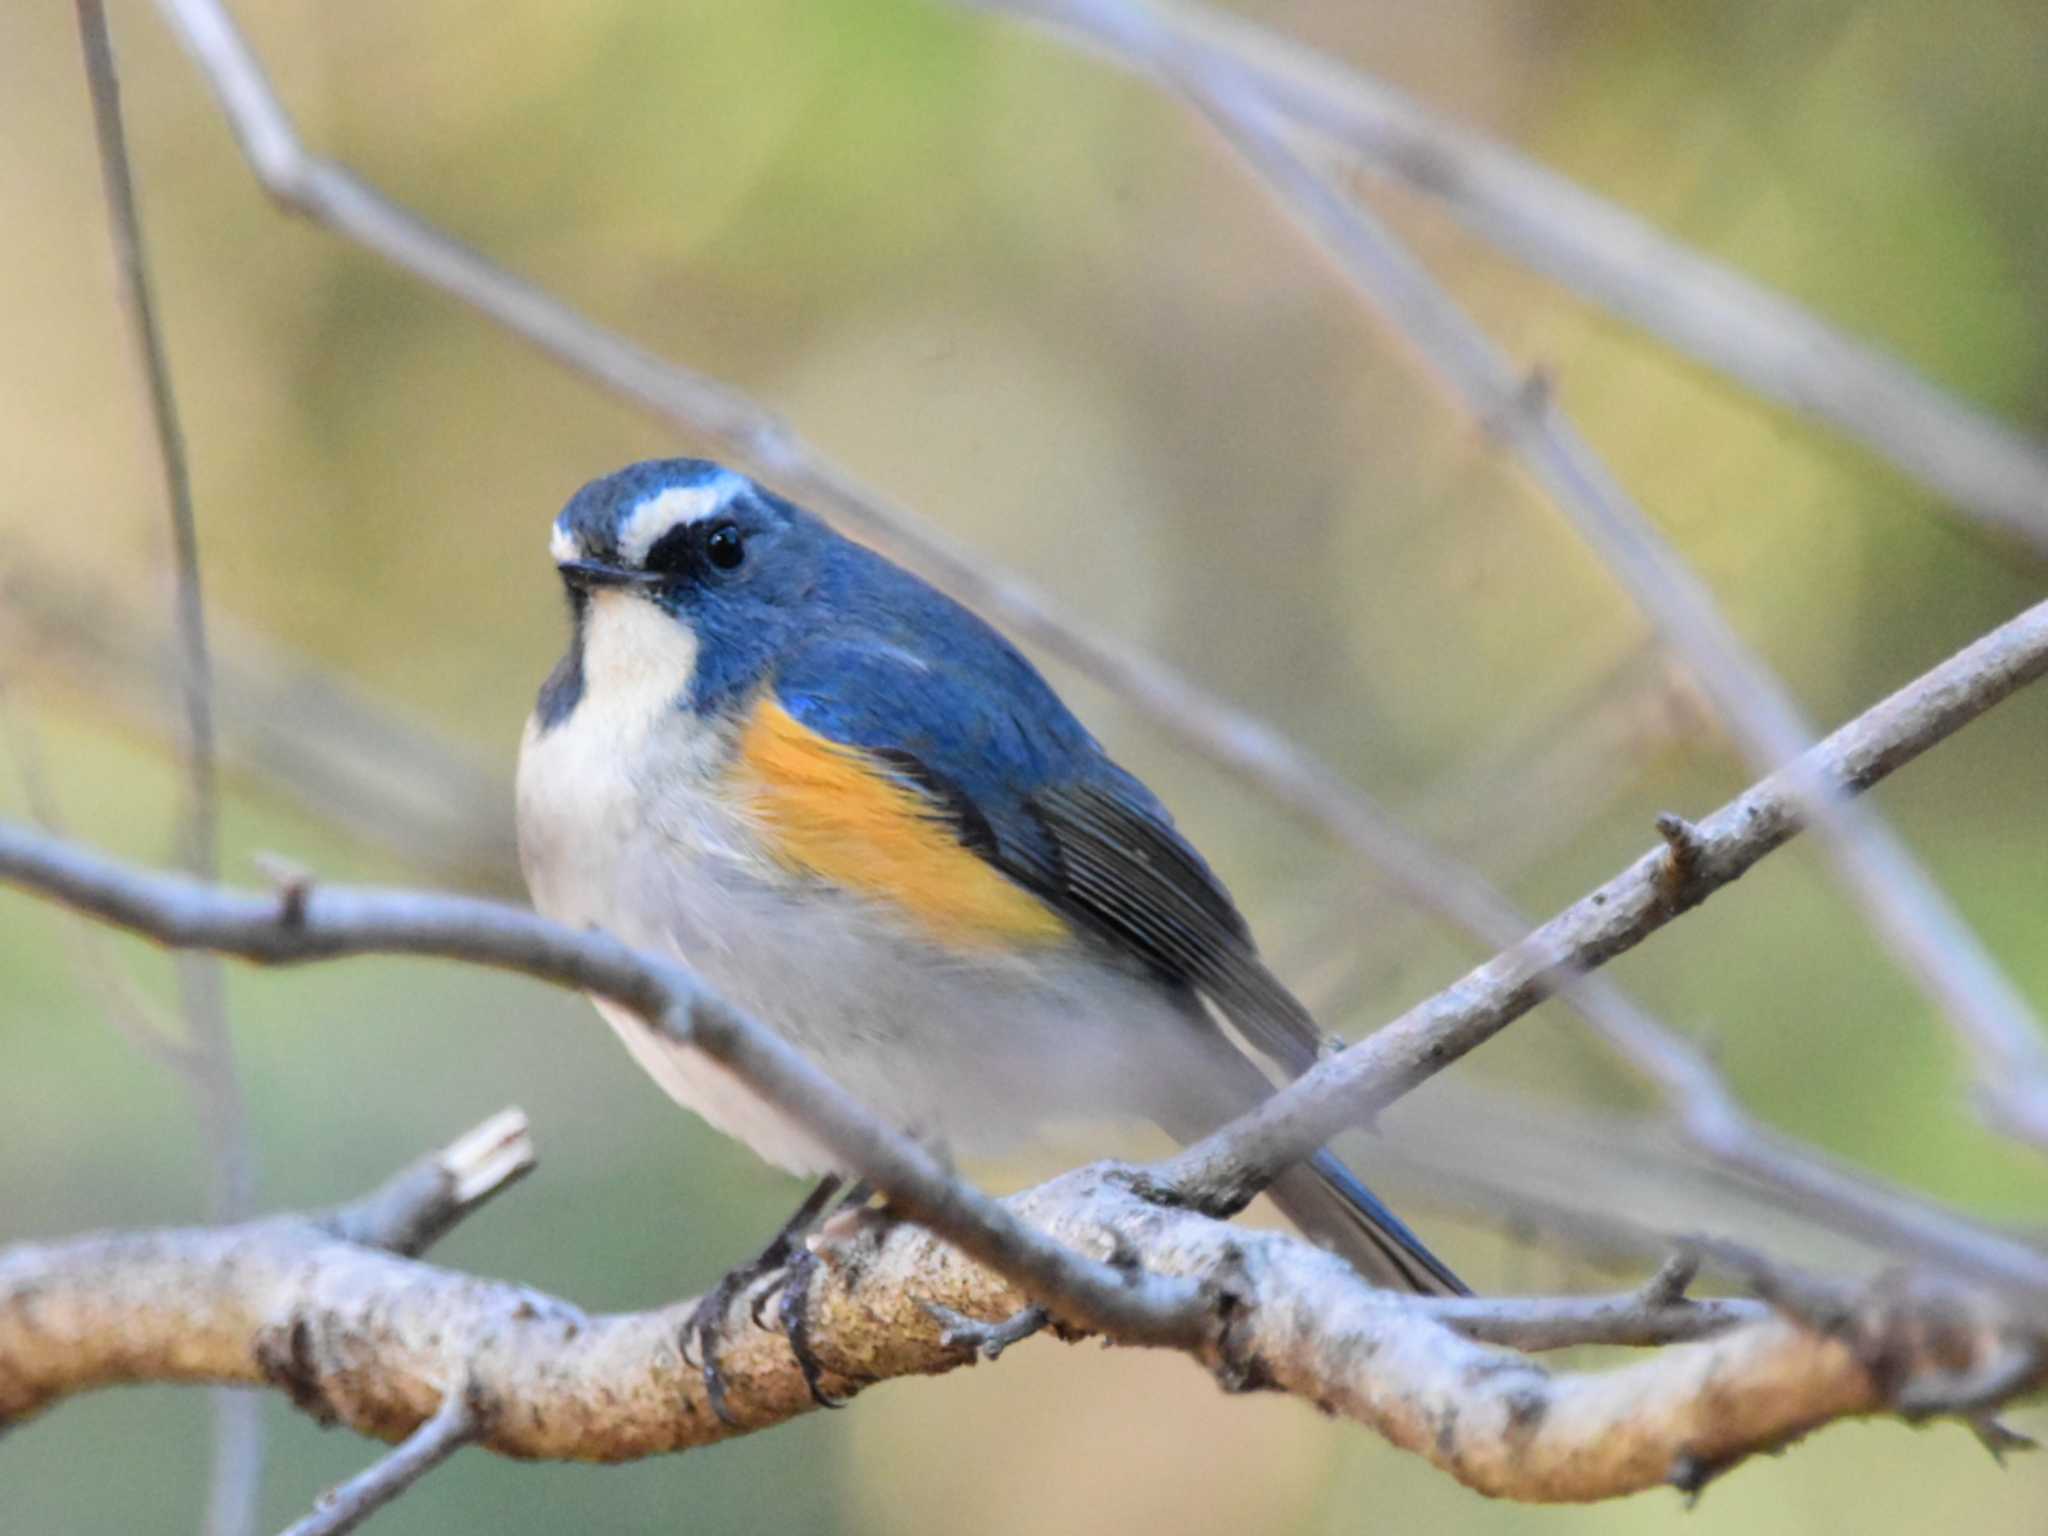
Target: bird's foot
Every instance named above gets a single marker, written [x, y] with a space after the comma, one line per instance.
[791, 1291]
[706, 1326]
[791, 1294]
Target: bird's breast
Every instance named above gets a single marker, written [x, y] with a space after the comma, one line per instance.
[628, 770]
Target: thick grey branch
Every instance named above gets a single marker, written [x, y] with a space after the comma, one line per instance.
[368, 1339]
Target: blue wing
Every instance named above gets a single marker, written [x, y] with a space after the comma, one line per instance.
[976, 728]
[954, 710]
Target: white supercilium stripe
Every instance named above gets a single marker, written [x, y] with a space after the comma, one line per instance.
[670, 508]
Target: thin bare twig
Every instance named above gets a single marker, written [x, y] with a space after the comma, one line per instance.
[1221, 1173]
[1617, 1192]
[222, 1109]
[1237, 740]
[131, 1011]
[414, 1208]
[330, 921]
[406, 1214]
[1534, 1323]
[985, 1341]
[1908, 910]
[1352, 1086]
[329, 195]
[456, 1423]
[223, 1114]
[1758, 337]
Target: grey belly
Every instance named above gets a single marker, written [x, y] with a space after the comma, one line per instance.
[974, 1049]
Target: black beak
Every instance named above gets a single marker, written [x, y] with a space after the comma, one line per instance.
[591, 575]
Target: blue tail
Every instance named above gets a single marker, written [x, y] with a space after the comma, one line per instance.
[1330, 1202]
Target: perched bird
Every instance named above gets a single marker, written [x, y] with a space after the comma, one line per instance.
[862, 815]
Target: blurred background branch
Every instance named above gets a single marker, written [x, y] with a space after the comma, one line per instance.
[332, 196]
[1705, 309]
[1916, 921]
[207, 1060]
[305, 732]
[1697, 862]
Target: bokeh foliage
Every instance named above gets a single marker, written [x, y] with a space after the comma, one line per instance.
[1034, 300]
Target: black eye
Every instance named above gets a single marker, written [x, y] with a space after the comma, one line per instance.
[724, 547]
[670, 554]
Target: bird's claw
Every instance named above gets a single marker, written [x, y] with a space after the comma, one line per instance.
[784, 1260]
[793, 1313]
[704, 1328]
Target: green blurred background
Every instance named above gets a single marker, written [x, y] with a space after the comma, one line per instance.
[1031, 298]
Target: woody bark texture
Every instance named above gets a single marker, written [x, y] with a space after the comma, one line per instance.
[372, 1340]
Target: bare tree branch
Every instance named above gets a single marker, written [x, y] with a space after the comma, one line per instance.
[416, 1206]
[409, 1212]
[1568, 1322]
[350, 759]
[209, 1057]
[366, 1339]
[1234, 738]
[1921, 926]
[134, 1015]
[1220, 1174]
[1308, 787]
[1608, 256]
[391, 779]
[213, 1052]
[1617, 1191]
[326, 922]
[1259, 1310]
[1353, 1085]
[456, 1423]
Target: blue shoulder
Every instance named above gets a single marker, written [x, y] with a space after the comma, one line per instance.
[992, 735]
[896, 669]
[904, 672]
[902, 668]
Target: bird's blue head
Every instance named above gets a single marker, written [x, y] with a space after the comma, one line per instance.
[706, 573]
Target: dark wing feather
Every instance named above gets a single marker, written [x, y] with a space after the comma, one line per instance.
[1027, 788]
[955, 712]
[949, 802]
[1127, 875]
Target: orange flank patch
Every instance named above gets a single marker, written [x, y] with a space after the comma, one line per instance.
[830, 811]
